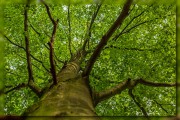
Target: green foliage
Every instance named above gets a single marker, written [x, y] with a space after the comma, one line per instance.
[178, 49]
[154, 60]
[148, 51]
[1, 75]
[1, 65]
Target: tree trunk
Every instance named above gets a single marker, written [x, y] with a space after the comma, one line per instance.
[70, 97]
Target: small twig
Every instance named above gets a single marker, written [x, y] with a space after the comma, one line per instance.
[25, 50]
[137, 103]
[15, 44]
[40, 62]
[69, 30]
[39, 34]
[154, 84]
[54, 55]
[161, 106]
[132, 9]
[136, 49]
[88, 34]
[135, 26]
[128, 30]
[26, 59]
[9, 72]
[22, 85]
[117, 36]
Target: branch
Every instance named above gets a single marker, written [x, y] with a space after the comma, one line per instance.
[137, 103]
[88, 34]
[29, 65]
[153, 84]
[42, 62]
[106, 37]
[51, 44]
[55, 55]
[117, 36]
[15, 44]
[8, 71]
[132, 8]
[26, 60]
[35, 89]
[28, 55]
[110, 92]
[69, 30]
[36, 31]
[22, 85]
[39, 34]
[161, 106]
[130, 84]
[48, 12]
[135, 26]
[137, 49]
[128, 30]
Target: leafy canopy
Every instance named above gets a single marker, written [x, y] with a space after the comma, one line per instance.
[148, 51]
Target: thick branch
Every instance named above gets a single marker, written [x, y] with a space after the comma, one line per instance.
[88, 34]
[130, 84]
[137, 103]
[48, 12]
[29, 65]
[51, 44]
[28, 55]
[110, 92]
[35, 89]
[106, 37]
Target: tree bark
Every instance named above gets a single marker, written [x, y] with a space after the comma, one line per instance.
[70, 97]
